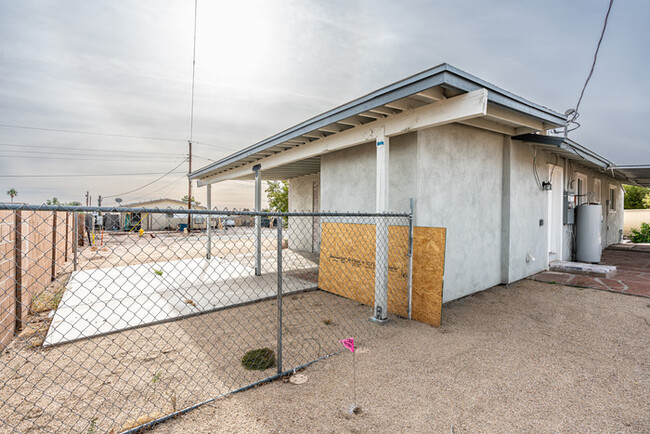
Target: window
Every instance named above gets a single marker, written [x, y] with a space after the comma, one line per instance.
[612, 198]
[581, 188]
[597, 191]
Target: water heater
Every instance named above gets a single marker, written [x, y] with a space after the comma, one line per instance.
[588, 230]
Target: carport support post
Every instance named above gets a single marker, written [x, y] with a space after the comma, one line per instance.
[208, 230]
[381, 231]
[258, 220]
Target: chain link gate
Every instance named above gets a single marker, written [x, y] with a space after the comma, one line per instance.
[118, 318]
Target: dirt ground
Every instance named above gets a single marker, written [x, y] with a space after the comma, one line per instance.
[531, 357]
[125, 379]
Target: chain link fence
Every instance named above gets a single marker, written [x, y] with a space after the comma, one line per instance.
[114, 319]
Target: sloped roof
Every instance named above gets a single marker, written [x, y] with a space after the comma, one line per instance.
[440, 82]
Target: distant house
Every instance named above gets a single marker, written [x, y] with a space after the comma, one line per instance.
[477, 159]
[169, 220]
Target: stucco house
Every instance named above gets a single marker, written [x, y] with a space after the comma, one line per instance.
[477, 160]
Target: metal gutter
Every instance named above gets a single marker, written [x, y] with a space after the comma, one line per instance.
[442, 75]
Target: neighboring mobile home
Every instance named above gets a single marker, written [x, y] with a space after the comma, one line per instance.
[476, 158]
[169, 220]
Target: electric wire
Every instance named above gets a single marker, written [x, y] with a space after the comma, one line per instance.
[85, 175]
[147, 184]
[171, 183]
[100, 160]
[576, 113]
[90, 133]
[84, 150]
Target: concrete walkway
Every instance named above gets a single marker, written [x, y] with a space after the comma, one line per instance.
[107, 300]
[632, 277]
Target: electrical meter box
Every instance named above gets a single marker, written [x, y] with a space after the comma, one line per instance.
[568, 214]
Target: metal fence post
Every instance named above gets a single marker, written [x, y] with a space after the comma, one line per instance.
[53, 258]
[208, 229]
[279, 344]
[410, 281]
[18, 276]
[75, 240]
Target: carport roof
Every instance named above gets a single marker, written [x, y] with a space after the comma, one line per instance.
[443, 81]
[567, 148]
[640, 174]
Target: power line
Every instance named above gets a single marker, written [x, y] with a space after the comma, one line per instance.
[101, 160]
[90, 133]
[148, 184]
[172, 183]
[84, 175]
[205, 158]
[123, 152]
[576, 113]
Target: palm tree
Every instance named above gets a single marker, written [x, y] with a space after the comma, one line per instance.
[13, 193]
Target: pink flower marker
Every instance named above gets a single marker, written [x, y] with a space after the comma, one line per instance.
[348, 343]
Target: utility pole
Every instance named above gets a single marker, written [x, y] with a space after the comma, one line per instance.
[189, 191]
[87, 197]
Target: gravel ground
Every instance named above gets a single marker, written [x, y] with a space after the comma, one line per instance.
[111, 382]
[531, 357]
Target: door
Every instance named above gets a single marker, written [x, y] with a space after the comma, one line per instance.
[554, 217]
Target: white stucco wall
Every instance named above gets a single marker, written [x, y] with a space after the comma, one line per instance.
[301, 198]
[432, 166]
[459, 176]
[527, 206]
[633, 219]
[477, 184]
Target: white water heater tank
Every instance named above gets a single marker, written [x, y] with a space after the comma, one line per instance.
[588, 230]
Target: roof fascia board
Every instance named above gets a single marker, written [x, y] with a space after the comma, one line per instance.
[503, 98]
[461, 107]
[360, 105]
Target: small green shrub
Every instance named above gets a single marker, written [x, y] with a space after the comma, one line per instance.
[259, 360]
[642, 235]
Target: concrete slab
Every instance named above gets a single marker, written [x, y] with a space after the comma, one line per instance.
[632, 277]
[107, 300]
[597, 270]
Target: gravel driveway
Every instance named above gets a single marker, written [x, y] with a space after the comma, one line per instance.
[531, 357]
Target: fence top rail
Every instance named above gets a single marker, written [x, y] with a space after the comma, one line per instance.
[214, 212]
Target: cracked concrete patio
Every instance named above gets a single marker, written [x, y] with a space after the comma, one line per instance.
[632, 277]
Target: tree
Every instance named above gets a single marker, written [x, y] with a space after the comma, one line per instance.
[13, 193]
[277, 192]
[194, 201]
[55, 202]
[635, 197]
[646, 200]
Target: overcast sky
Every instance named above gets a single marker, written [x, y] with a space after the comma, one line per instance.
[125, 68]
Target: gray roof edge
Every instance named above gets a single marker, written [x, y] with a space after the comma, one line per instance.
[443, 74]
[564, 143]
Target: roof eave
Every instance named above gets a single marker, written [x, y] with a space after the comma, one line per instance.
[442, 75]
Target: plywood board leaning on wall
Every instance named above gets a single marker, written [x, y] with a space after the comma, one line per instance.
[428, 269]
[347, 263]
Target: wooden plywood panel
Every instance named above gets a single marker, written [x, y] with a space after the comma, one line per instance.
[428, 269]
[347, 263]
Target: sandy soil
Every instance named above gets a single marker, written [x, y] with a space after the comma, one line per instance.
[532, 357]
